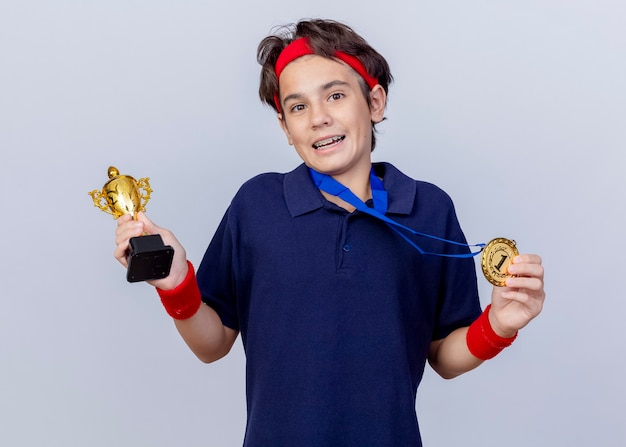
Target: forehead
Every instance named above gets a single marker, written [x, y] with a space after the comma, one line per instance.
[313, 71]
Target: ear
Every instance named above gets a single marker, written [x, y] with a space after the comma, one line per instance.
[378, 101]
[283, 126]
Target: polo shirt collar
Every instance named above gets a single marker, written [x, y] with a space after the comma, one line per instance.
[302, 196]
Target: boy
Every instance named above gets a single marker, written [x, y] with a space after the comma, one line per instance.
[338, 312]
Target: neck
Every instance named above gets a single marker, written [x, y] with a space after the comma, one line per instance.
[357, 182]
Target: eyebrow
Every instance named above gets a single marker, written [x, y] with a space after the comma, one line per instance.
[322, 88]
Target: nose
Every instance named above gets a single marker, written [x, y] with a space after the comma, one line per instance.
[320, 116]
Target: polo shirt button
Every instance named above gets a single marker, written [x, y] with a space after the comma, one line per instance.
[347, 248]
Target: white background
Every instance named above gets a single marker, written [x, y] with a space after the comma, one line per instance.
[517, 109]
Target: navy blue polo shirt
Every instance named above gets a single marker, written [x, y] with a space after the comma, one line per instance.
[336, 311]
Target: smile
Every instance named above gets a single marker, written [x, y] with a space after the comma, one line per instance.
[323, 144]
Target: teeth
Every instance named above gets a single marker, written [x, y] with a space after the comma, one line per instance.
[328, 142]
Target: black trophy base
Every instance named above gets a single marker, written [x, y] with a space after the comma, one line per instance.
[148, 258]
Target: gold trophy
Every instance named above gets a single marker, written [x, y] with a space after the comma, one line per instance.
[148, 258]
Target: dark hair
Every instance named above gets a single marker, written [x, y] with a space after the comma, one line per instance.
[325, 37]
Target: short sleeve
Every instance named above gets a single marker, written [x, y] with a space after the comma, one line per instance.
[459, 303]
[215, 275]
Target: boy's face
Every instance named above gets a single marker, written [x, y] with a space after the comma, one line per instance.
[326, 116]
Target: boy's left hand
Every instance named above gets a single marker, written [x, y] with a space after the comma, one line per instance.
[521, 300]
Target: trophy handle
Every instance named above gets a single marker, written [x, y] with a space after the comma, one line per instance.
[143, 185]
[100, 200]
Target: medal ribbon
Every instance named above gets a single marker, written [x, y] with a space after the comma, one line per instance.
[328, 184]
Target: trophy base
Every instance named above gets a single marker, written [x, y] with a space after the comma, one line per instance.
[148, 258]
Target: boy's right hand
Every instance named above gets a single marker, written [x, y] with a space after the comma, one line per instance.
[128, 228]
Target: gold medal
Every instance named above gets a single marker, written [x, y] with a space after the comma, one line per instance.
[496, 258]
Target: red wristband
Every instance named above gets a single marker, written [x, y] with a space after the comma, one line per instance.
[482, 340]
[184, 300]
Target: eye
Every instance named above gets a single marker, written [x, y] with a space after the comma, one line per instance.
[336, 96]
[297, 108]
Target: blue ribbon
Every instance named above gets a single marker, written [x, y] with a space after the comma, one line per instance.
[328, 184]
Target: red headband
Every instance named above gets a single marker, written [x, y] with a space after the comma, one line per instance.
[300, 47]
